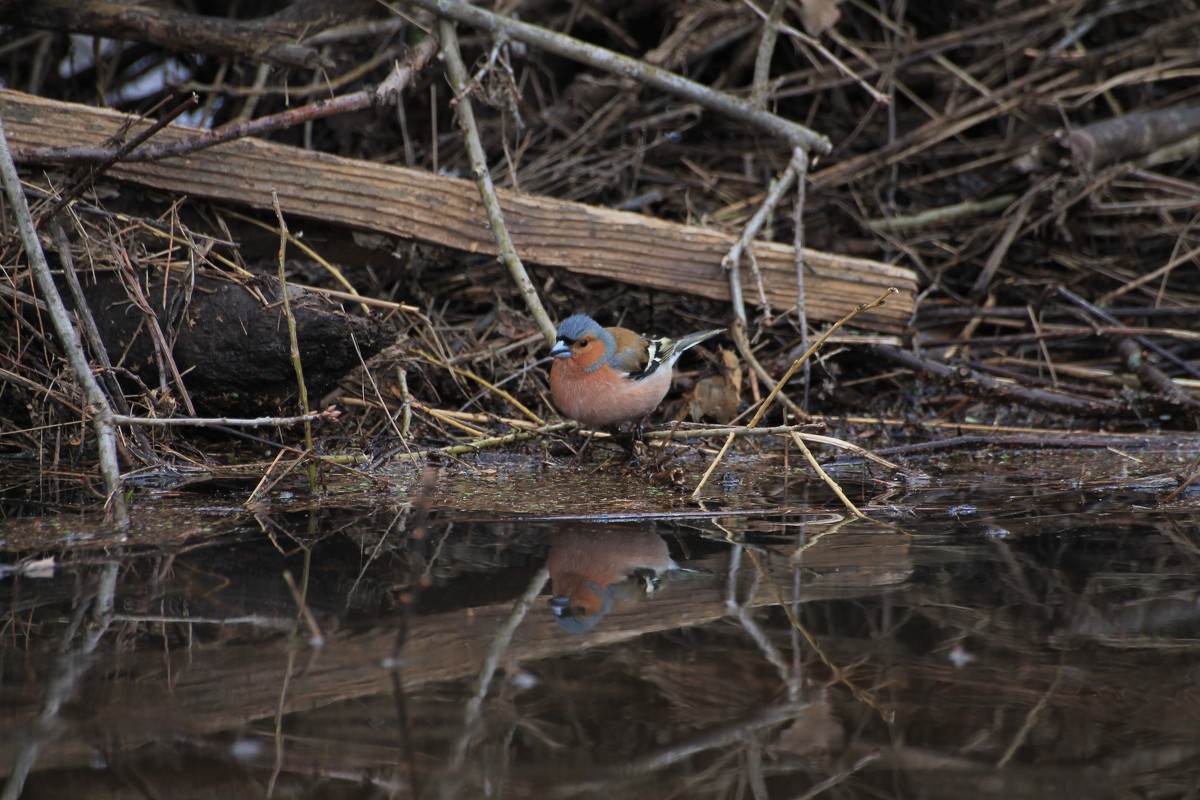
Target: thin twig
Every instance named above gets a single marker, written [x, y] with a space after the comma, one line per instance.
[491, 387]
[1143, 341]
[724, 430]
[876, 95]
[941, 215]
[494, 441]
[732, 263]
[800, 165]
[293, 338]
[99, 169]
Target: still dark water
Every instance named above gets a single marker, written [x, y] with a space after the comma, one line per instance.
[1031, 634]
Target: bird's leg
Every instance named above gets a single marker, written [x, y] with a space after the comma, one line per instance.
[632, 441]
[585, 447]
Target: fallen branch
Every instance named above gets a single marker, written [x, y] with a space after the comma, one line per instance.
[272, 39]
[446, 211]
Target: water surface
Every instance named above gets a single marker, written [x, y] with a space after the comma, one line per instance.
[558, 632]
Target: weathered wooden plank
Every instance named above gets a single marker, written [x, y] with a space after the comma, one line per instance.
[447, 211]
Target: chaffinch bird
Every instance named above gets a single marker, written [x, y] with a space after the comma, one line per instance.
[594, 568]
[604, 376]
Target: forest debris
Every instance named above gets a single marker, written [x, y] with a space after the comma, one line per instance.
[235, 353]
[648, 74]
[413, 203]
[976, 383]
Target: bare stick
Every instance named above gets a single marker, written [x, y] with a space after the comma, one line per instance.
[711, 433]
[97, 402]
[254, 422]
[456, 71]
[766, 49]
[876, 95]
[750, 232]
[800, 165]
[268, 39]
[494, 441]
[830, 482]
[99, 169]
[654, 77]
[473, 712]
[91, 333]
[732, 263]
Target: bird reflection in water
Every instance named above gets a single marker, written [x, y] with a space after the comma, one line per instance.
[596, 568]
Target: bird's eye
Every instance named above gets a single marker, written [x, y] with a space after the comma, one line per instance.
[582, 343]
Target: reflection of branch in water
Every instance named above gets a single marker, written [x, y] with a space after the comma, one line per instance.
[838, 673]
[316, 640]
[834, 780]
[397, 522]
[721, 736]
[453, 777]
[790, 679]
[789, 676]
[69, 668]
[769, 651]
[1030, 719]
[416, 542]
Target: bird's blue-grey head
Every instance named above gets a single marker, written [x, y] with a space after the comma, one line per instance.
[581, 326]
[576, 326]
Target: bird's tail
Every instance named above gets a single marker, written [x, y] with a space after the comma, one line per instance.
[693, 339]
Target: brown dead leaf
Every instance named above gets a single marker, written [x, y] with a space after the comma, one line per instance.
[818, 16]
[717, 397]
